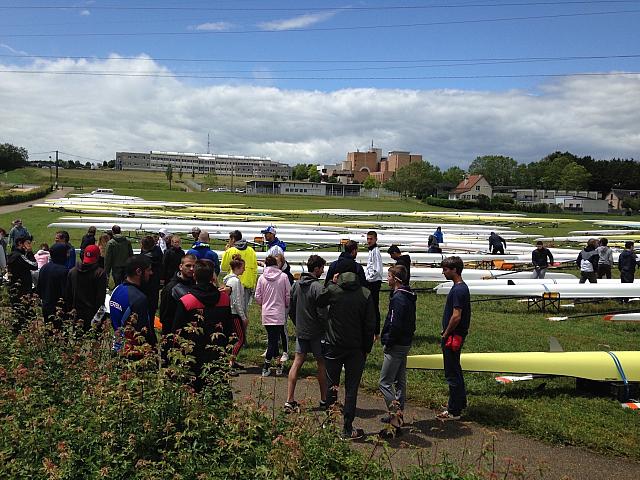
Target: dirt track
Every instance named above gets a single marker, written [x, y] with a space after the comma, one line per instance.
[462, 442]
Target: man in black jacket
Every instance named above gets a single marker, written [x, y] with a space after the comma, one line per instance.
[346, 262]
[86, 287]
[52, 282]
[404, 260]
[20, 264]
[209, 309]
[173, 290]
[539, 259]
[151, 288]
[348, 341]
[627, 262]
[397, 336]
[497, 244]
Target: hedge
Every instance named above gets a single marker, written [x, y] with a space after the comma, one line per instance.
[493, 206]
[19, 197]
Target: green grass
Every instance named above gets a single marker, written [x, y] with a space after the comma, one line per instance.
[556, 414]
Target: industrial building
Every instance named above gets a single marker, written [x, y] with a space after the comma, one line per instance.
[203, 163]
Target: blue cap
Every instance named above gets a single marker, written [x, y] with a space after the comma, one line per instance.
[270, 229]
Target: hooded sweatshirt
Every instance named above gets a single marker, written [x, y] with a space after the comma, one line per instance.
[309, 319]
[345, 263]
[86, 290]
[400, 323]
[127, 299]
[587, 260]
[171, 262]
[118, 252]
[605, 255]
[248, 254]
[173, 290]
[627, 261]
[352, 316]
[273, 293]
[203, 251]
[374, 265]
[52, 280]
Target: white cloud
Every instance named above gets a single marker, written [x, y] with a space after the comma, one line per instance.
[12, 50]
[298, 22]
[95, 116]
[211, 26]
[85, 13]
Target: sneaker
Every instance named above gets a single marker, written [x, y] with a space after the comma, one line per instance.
[266, 372]
[279, 370]
[284, 357]
[323, 404]
[446, 415]
[355, 434]
[291, 407]
[233, 372]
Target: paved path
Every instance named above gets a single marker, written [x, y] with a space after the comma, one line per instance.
[463, 442]
[21, 206]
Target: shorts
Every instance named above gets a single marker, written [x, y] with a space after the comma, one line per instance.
[314, 346]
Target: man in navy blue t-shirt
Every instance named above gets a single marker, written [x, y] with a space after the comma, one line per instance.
[455, 326]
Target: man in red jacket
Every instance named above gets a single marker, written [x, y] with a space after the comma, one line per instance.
[208, 310]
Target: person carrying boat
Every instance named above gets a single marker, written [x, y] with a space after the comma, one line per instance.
[539, 259]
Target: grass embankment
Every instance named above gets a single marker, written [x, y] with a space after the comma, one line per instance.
[555, 413]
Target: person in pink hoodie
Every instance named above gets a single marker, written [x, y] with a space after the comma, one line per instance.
[42, 257]
[273, 293]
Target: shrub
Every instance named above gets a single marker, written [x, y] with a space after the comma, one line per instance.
[19, 197]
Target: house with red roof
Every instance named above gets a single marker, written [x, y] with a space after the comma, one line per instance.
[471, 187]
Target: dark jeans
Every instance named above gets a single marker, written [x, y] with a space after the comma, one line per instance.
[626, 277]
[353, 362]
[495, 250]
[273, 338]
[604, 271]
[591, 276]
[453, 375]
[374, 288]
[118, 274]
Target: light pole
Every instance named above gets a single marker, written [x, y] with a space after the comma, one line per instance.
[50, 172]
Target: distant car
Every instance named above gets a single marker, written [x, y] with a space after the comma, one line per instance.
[103, 191]
[240, 190]
[224, 189]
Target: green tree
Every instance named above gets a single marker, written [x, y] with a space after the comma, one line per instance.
[418, 178]
[111, 164]
[312, 174]
[497, 169]
[105, 164]
[453, 175]
[210, 180]
[370, 182]
[87, 165]
[574, 177]
[300, 172]
[169, 174]
[12, 157]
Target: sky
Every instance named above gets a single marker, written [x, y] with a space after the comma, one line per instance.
[307, 81]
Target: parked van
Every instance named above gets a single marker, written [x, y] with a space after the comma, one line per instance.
[103, 191]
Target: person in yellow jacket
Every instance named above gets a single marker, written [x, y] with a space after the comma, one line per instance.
[237, 245]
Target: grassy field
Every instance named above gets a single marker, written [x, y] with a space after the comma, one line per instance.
[548, 409]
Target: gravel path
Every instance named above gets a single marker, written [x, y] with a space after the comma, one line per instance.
[462, 442]
[21, 206]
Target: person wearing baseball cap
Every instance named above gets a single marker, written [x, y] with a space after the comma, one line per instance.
[86, 287]
[17, 231]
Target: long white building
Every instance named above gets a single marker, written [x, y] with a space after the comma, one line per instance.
[203, 163]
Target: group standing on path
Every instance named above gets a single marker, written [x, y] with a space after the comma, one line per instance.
[204, 300]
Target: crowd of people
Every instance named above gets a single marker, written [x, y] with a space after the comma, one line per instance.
[338, 320]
